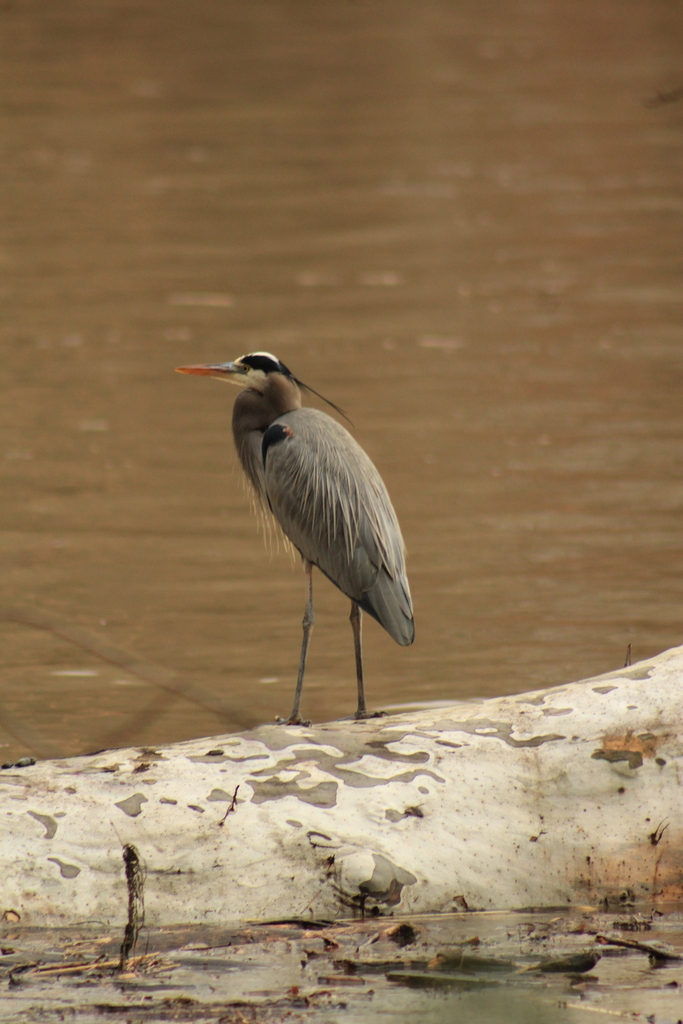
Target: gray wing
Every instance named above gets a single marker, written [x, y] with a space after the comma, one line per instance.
[332, 504]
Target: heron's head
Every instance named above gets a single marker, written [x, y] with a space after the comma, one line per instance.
[254, 371]
[250, 371]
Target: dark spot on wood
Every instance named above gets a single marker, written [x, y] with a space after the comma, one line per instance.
[322, 795]
[213, 758]
[634, 757]
[132, 805]
[150, 754]
[637, 673]
[495, 731]
[49, 823]
[65, 870]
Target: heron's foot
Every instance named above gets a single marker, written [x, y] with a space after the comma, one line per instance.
[293, 720]
[362, 716]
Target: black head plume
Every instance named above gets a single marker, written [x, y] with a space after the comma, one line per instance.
[336, 408]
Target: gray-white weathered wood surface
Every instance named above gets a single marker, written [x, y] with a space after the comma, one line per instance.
[557, 797]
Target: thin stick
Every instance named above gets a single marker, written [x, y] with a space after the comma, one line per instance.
[136, 902]
[231, 808]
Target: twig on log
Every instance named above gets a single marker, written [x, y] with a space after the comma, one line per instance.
[136, 902]
[231, 808]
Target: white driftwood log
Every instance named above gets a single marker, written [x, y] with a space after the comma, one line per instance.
[558, 797]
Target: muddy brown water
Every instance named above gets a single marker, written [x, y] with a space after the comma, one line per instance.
[524, 968]
[461, 222]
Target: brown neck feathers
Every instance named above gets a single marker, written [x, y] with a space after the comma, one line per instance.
[253, 413]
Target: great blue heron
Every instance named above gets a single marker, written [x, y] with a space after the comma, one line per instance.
[327, 496]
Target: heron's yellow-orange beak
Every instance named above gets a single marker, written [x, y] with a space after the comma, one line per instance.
[221, 370]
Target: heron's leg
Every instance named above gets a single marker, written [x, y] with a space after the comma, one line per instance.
[308, 620]
[356, 626]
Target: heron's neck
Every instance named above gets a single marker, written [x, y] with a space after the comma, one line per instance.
[282, 394]
[256, 410]
[252, 414]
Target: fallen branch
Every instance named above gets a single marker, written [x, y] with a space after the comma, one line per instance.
[643, 947]
[556, 798]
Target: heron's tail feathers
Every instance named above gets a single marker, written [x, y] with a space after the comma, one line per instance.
[389, 602]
